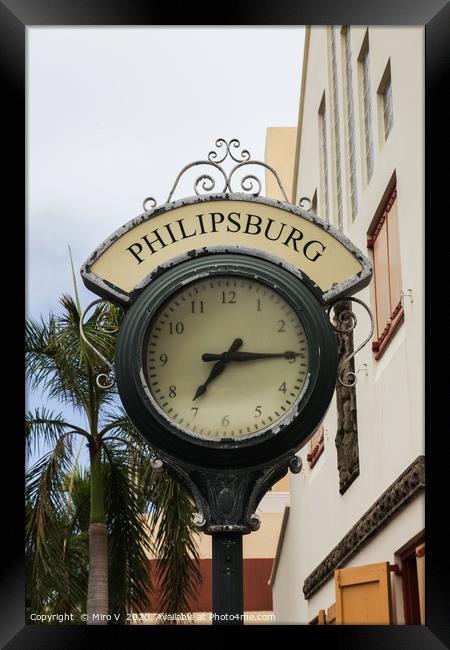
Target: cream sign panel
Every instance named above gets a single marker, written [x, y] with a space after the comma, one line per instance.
[128, 259]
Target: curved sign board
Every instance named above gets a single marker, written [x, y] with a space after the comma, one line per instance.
[287, 234]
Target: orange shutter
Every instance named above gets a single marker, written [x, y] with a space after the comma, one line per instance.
[331, 614]
[395, 276]
[420, 560]
[382, 295]
[319, 619]
[363, 595]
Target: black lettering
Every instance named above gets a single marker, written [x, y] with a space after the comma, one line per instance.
[139, 250]
[215, 221]
[169, 230]
[183, 232]
[235, 222]
[317, 254]
[158, 239]
[267, 230]
[202, 225]
[253, 224]
[294, 239]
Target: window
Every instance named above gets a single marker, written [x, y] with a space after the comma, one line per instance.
[385, 92]
[323, 157]
[350, 115]
[385, 245]
[412, 568]
[336, 138]
[367, 108]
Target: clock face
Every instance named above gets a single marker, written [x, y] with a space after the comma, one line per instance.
[226, 358]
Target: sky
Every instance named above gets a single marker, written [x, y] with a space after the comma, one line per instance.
[113, 114]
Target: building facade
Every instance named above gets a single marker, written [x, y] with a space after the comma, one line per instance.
[351, 548]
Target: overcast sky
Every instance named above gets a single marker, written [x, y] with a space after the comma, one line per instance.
[113, 114]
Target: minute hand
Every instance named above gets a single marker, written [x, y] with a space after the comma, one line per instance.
[250, 356]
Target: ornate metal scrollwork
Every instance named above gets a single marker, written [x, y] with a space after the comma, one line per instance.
[207, 183]
[347, 321]
[302, 200]
[220, 142]
[151, 200]
[104, 379]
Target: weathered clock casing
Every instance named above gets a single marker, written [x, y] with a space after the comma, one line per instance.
[290, 432]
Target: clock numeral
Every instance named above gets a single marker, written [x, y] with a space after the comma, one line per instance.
[259, 304]
[283, 388]
[282, 324]
[225, 420]
[195, 409]
[163, 359]
[258, 411]
[229, 297]
[197, 307]
[177, 328]
[172, 391]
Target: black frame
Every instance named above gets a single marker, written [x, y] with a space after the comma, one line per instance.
[434, 15]
[293, 433]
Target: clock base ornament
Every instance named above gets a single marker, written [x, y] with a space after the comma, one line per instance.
[227, 499]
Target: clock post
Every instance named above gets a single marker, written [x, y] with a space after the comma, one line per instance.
[227, 578]
[226, 359]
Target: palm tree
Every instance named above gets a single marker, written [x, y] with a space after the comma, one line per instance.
[123, 487]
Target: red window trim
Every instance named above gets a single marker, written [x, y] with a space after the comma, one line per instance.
[395, 320]
[313, 457]
[379, 224]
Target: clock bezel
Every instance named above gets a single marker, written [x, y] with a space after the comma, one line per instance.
[291, 431]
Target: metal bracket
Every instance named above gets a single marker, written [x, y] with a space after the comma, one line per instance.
[347, 318]
[104, 379]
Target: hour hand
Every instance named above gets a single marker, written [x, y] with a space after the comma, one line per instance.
[218, 368]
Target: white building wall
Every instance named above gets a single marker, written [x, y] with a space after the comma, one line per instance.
[390, 397]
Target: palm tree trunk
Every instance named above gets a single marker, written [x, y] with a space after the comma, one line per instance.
[97, 601]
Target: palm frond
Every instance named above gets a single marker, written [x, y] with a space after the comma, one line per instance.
[48, 368]
[175, 546]
[46, 517]
[43, 427]
[128, 537]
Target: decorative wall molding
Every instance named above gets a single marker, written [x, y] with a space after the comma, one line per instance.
[395, 497]
[346, 439]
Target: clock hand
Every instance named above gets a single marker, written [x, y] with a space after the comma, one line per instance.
[218, 368]
[250, 356]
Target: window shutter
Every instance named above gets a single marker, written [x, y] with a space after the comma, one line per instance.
[382, 295]
[331, 614]
[420, 560]
[319, 619]
[363, 595]
[395, 276]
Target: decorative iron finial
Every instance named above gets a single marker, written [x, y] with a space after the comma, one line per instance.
[207, 183]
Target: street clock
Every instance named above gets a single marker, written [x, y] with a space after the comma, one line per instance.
[230, 360]
[226, 359]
